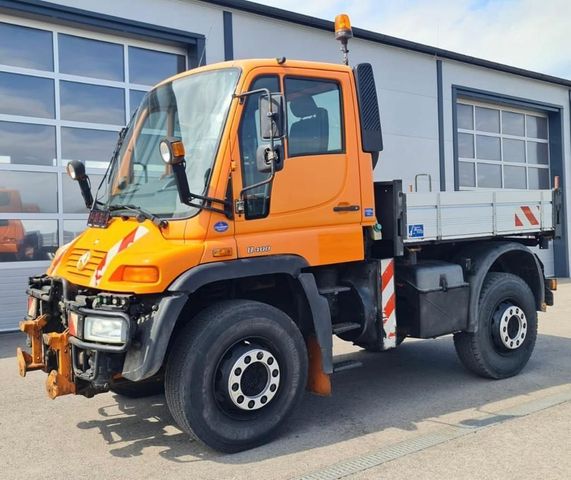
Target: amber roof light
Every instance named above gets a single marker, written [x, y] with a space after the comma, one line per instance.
[343, 27]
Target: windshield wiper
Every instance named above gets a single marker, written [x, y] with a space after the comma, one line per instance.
[139, 213]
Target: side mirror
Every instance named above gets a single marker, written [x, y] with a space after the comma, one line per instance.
[272, 116]
[76, 171]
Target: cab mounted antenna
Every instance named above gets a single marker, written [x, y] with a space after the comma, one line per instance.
[343, 33]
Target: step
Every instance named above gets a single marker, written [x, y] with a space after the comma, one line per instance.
[333, 290]
[346, 365]
[345, 327]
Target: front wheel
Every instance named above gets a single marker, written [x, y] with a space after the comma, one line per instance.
[235, 374]
[507, 328]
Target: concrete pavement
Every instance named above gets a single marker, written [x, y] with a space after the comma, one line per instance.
[396, 398]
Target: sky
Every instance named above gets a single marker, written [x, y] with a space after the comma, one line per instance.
[531, 34]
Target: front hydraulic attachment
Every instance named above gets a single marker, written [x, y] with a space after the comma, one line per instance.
[60, 381]
[34, 361]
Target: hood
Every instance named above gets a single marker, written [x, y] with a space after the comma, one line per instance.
[98, 257]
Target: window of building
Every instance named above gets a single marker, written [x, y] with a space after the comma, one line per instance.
[164, 65]
[313, 116]
[64, 95]
[501, 147]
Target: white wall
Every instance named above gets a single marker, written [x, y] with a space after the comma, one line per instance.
[186, 15]
[406, 86]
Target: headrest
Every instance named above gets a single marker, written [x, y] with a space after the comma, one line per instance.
[303, 106]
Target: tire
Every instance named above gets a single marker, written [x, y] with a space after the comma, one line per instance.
[507, 329]
[203, 385]
[145, 388]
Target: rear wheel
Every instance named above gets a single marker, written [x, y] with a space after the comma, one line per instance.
[235, 374]
[507, 328]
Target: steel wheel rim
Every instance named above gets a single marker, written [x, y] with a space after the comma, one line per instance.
[247, 378]
[509, 326]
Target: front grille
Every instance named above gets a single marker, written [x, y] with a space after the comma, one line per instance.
[87, 271]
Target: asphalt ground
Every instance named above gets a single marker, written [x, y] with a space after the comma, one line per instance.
[409, 413]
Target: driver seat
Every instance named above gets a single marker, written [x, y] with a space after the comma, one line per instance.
[310, 134]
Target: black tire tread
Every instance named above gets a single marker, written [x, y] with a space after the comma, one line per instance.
[192, 335]
[466, 344]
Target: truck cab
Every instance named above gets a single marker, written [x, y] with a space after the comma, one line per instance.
[238, 228]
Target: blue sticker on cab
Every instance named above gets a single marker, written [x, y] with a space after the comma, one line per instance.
[369, 212]
[221, 227]
[416, 231]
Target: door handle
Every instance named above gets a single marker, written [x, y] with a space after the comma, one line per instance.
[346, 208]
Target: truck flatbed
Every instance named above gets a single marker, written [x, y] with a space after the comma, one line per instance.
[418, 218]
[468, 214]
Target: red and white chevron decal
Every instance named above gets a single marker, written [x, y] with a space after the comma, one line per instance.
[388, 301]
[527, 217]
[114, 250]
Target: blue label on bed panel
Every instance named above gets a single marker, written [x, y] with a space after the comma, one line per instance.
[221, 227]
[416, 231]
[369, 212]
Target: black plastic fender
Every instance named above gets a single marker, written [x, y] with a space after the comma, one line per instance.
[481, 258]
[154, 334]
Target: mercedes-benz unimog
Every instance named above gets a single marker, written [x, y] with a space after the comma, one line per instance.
[239, 227]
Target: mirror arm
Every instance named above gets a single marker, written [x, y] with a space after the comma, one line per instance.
[270, 179]
[85, 187]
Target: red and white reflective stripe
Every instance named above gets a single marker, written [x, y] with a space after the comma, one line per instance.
[388, 301]
[121, 245]
[527, 217]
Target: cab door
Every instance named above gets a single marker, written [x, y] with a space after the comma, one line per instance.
[313, 206]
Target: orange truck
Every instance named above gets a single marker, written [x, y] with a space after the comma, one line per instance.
[239, 228]
[11, 231]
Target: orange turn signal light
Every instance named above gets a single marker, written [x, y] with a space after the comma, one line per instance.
[140, 274]
[343, 27]
[178, 149]
[551, 283]
[222, 252]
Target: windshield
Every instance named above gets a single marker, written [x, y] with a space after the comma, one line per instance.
[193, 109]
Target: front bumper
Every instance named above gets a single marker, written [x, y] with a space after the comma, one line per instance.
[77, 365]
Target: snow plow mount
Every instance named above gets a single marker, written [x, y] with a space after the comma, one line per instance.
[34, 361]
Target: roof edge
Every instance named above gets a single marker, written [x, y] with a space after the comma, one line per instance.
[321, 24]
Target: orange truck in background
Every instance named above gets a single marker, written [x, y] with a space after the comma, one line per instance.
[15, 242]
[239, 228]
[11, 231]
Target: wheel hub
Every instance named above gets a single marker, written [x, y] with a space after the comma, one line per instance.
[511, 325]
[253, 379]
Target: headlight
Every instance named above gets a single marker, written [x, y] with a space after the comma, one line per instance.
[105, 329]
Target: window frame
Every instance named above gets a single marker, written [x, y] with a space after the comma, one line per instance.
[257, 77]
[500, 108]
[343, 148]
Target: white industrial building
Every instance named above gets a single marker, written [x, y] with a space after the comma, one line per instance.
[71, 73]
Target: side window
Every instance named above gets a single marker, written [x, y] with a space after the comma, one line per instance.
[257, 200]
[313, 117]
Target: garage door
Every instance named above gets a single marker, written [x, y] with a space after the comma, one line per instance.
[501, 147]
